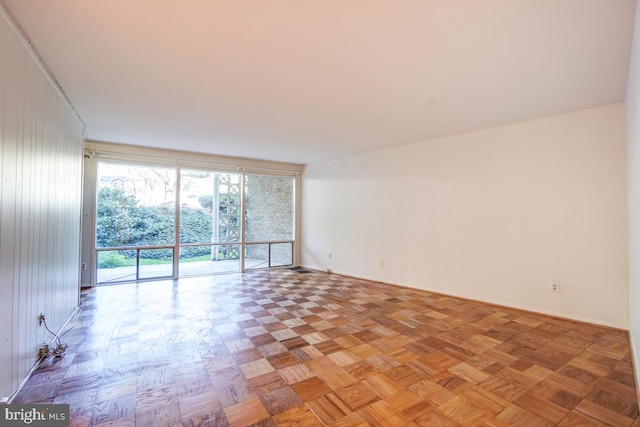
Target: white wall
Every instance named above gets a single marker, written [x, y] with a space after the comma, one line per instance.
[40, 195]
[632, 106]
[495, 215]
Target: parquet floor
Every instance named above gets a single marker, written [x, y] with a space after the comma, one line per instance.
[283, 348]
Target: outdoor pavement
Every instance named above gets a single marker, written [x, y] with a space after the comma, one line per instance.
[124, 274]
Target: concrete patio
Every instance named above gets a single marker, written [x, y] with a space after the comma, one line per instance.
[198, 268]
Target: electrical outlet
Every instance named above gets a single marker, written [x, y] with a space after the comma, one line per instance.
[330, 255]
[40, 319]
[83, 265]
[43, 350]
[555, 288]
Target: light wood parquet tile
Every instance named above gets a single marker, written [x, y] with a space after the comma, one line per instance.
[434, 418]
[300, 416]
[246, 413]
[114, 409]
[381, 413]
[280, 400]
[352, 420]
[382, 385]
[514, 416]
[541, 408]
[281, 348]
[357, 396]
[464, 412]
[329, 408]
[202, 406]
[408, 405]
[296, 373]
[268, 382]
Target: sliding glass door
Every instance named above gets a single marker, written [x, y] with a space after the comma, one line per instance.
[135, 222]
[210, 222]
[218, 222]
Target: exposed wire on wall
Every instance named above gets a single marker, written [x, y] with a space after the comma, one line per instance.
[60, 348]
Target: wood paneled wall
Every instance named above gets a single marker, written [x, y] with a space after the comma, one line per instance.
[41, 152]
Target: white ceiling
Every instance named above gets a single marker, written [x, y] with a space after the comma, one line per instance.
[302, 81]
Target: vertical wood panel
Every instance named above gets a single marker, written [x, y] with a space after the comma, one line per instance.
[41, 154]
[7, 191]
[19, 243]
[5, 288]
[26, 259]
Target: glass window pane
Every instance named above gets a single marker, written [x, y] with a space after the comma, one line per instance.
[257, 256]
[281, 254]
[135, 205]
[196, 205]
[269, 208]
[209, 207]
[156, 263]
[209, 259]
[116, 266]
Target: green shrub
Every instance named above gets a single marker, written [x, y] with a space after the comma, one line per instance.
[111, 260]
[206, 201]
[121, 221]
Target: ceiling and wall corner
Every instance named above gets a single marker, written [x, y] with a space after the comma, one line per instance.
[303, 82]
